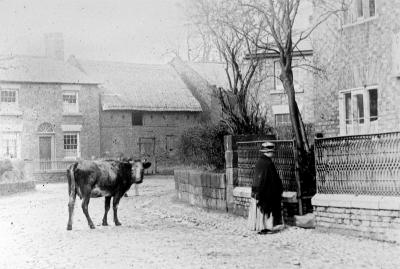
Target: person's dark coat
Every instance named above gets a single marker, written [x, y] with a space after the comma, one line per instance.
[267, 186]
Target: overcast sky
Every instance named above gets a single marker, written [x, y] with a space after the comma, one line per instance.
[141, 31]
[120, 30]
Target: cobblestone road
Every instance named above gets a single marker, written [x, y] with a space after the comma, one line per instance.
[159, 232]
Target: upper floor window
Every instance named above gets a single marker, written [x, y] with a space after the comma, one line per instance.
[297, 76]
[137, 118]
[359, 111]
[8, 97]
[359, 10]
[70, 102]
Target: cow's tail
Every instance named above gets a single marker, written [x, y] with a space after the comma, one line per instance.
[72, 190]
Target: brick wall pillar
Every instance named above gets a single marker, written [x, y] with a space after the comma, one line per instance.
[231, 168]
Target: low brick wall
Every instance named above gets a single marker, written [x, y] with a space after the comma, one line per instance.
[50, 177]
[373, 217]
[242, 196]
[204, 189]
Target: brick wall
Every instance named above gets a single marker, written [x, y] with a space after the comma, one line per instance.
[355, 56]
[304, 92]
[118, 135]
[374, 217]
[202, 189]
[41, 103]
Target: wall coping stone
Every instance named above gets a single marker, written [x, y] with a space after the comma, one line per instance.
[245, 192]
[357, 201]
[289, 196]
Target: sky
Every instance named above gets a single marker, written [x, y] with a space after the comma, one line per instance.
[142, 31]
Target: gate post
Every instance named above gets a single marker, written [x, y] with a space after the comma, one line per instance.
[231, 169]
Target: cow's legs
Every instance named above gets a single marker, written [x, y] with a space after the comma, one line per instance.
[115, 209]
[106, 209]
[71, 205]
[85, 207]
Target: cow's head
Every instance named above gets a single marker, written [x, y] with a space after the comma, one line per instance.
[138, 167]
[125, 169]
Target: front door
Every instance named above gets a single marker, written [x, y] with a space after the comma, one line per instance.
[45, 152]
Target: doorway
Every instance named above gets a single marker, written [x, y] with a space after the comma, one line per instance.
[45, 152]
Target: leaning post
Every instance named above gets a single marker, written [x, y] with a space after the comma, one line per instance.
[231, 169]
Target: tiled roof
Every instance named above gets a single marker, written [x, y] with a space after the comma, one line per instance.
[140, 86]
[40, 70]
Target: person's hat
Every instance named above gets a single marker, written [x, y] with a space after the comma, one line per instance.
[267, 147]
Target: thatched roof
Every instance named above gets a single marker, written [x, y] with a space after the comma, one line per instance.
[130, 86]
[40, 70]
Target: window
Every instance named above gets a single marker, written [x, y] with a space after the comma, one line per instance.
[9, 145]
[359, 111]
[373, 104]
[359, 10]
[282, 119]
[71, 145]
[137, 118]
[347, 97]
[70, 102]
[371, 8]
[277, 82]
[297, 76]
[359, 108]
[9, 98]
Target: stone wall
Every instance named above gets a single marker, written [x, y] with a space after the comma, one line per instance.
[376, 217]
[203, 189]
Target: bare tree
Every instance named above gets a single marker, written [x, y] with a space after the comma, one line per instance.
[234, 33]
[279, 18]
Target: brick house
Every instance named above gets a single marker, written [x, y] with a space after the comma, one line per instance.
[360, 54]
[143, 109]
[271, 93]
[48, 110]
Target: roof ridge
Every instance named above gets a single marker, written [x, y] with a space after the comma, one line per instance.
[119, 62]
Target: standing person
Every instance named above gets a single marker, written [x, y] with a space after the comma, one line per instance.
[266, 193]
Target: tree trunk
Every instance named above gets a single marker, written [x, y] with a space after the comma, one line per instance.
[294, 111]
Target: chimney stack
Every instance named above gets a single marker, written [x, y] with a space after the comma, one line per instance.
[54, 45]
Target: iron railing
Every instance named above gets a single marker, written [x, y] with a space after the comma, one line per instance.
[248, 154]
[362, 164]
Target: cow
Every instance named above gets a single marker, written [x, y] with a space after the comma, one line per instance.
[93, 179]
